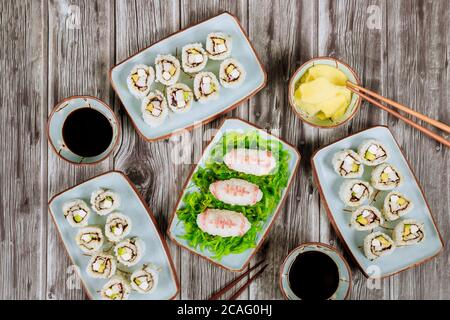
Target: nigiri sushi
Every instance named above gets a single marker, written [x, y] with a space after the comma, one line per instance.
[236, 192]
[223, 223]
[250, 161]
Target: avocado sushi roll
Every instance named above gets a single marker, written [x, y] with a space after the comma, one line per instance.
[231, 73]
[355, 192]
[373, 152]
[206, 87]
[144, 280]
[101, 265]
[179, 98]
[396, 205]
[366, 218]
[167, 69]
[77, 213]
[117, 288]
[378, 244]
[347, 164]
[409, 232]
[89, 239]
[140, 79]
[386, 177]
[218, 46]
[193, 58]
[129, 251]
[154, 108]
[117, 226]
[104, 201]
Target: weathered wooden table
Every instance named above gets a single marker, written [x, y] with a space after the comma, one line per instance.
[53, 49]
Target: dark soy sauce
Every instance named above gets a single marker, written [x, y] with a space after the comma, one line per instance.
[313, 276]
[87, 132]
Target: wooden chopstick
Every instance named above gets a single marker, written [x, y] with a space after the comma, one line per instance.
[239, 292]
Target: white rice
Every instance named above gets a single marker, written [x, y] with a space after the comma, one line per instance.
[370, 250]
[232, 79]
[117, 226]
[154, 108]
[193, 58]
[76, 212]
[395, 178]
[102, 266]
[414, 237]
[104, 201]
[343, 162]
[163, 66]
[355, 192]
[366, 211]
[117, 288]
[140, 79]
[145, 280]
[179, 98]
[218, 51]
[89, 239]
[206, 87]
[392, 210]
[129, 251]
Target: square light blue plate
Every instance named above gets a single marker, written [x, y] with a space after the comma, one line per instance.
[329, 182]
[233, 262]
[229, 98]
[143, 226]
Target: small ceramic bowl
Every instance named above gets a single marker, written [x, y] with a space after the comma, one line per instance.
[312, 120]
[345, 276]
[58, 117]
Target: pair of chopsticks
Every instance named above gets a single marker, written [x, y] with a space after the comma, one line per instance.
[370, 95]
[230, 285]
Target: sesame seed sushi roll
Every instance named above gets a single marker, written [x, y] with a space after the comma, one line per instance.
[193, 58]
[373, 152]
[89, 239]
[378, 244]
[179, 98]
[206, 87]
[117, 226]
[102, 266]
[167, 69]
[129, 251]
[366, 218]
[347, 164]
[140, 79]
[104, 201]
[144, 280]
[386, 177]
[77, 213]
[408, 232]
[396, 205]
[231, 73]
[355, 192]
[218, 46]
[154, 108]
[117, 288]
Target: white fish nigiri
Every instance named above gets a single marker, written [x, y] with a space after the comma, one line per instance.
[223, 223]
[236, 192]
[250, 161]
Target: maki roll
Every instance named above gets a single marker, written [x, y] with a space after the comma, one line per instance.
[408, 232]
[206, 87]
[154, 108]
[355, 192]
[373, 152]
[386, 177]
[101, 265]
[347, 164]
[116, 289]
[193, 58]
[140, 79]
[129, 251]
[179, 97]
[396, 205]
[167, 69]
[104, 201]
[77, 213]
[366, 218]
[144, 280]
[117, 226]
[218, 46]
[231, 73]
[378, 244]
[89, 239]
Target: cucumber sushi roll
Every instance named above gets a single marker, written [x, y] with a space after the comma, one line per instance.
[355, 192]
[117, 288]
[206, 87]
[77, 213]
[386, 177]
[396, 205]
[144, 280]
[378, 244]
[366, 218]
[101, 265]
[89, 239]
[408, 232]
[167, 69]
[179, 97]
[193, 58]
[129, 251]
[231, 73]
[218, 46]
[140, 79]
[104, 201]
[373, 152]
[154, 108]
[117, 226]
[347, 164]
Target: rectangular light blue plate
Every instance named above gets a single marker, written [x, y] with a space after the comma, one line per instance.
[329, 182]
[199, 113]
[233, 262]
[143, 226]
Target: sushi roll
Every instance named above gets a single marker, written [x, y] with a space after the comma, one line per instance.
[206, 87]
[117, 288]
[373, 152]
[144, 280]
[386, 177]
[77, 213]
[366, 218]
[223, 223]
[101, 265]
[378, 244]
[236, 192]
[89, 239]
[117, 226]
[250, 161]
[355, 192]
[154, 108]
[179, 98]
[140, 79]
[396, 205]
[218, 46]
[104, 201]
[193, 58]
[167, 69]
[347, 164]
[408, 232]
[129, 251]
[231, 73]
